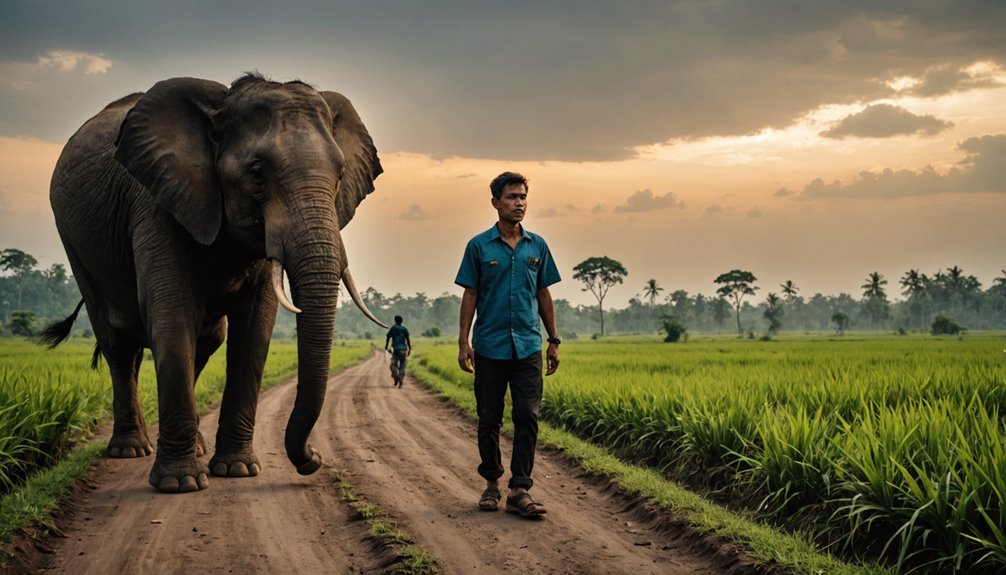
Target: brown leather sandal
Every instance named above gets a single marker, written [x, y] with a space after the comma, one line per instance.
[525, 505]
[490, 500]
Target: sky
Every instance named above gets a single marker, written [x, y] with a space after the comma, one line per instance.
[809, 141]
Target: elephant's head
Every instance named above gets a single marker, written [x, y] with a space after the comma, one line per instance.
[277, 167]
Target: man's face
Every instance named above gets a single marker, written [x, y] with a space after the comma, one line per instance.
[512, 203]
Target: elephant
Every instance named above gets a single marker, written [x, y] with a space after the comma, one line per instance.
[180, 209]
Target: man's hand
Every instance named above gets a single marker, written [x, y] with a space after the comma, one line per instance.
[466, 357]
[552, 358]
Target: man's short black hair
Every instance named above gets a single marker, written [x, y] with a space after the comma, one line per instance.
[505, 179]
[398, 319]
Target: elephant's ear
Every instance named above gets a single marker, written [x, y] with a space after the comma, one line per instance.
[362, 164]
[165, 144]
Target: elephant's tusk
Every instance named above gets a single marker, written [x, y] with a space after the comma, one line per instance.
[277, 286]
[351, 288]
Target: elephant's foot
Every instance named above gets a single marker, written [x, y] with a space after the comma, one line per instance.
[127, 445]
[241, 463]
[201, 448]
[179, 475]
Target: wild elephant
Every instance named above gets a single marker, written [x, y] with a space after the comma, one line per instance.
[179, 209]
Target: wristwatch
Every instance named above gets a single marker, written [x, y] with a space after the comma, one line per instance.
[554, 340]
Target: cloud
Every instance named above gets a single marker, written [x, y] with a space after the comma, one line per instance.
[716, 210]
[982, 170]
[599, 208]
[605, 80]
[645, 201]
[884, 121]
[67, 61]
[755, 213]
[415, 213]
[784, 193]
[548, 213]
[943, 80]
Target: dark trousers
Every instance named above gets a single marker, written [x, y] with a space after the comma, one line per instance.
[492, 376]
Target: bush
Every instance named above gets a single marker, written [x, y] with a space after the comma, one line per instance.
[22, 322]
[946, 326]
[432, 332]
[675, 330]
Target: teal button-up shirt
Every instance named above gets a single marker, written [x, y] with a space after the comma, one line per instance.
[507, 281]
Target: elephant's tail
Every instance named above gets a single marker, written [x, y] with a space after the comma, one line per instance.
[56, 333]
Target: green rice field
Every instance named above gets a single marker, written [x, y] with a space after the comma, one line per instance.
[885, 447]
[51, 400]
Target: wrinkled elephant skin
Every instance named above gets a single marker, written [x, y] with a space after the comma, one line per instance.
[177, 207]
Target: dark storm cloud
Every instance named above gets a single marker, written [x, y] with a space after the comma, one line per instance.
[885, 121]
[520, 80]
[982, 170]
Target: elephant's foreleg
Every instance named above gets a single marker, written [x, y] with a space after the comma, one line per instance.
[249, 331]
[129, 431]
[177, 468]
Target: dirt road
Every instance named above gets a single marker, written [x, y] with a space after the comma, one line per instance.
[401, 449]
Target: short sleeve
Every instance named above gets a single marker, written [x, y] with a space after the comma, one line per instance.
[468, 273]
[548, 274]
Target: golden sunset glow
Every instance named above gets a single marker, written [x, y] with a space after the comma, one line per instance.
[812, 152]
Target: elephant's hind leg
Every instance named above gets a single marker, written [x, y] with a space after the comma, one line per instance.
[129, 431]
[208, 343]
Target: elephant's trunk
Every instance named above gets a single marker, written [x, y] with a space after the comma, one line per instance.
[314, 262]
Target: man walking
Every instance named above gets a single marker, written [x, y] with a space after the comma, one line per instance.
[401, 348]
[505, 272]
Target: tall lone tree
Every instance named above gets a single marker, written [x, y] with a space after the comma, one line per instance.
[598, 274]
[734, 285]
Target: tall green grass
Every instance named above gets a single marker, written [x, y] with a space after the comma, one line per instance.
[891, 447]
[51, 399]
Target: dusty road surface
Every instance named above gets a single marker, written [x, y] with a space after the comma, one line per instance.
[401, 449]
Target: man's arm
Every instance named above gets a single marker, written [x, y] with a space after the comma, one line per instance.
[387, 340]
[466, 357]
[546, 309]
[408, 344]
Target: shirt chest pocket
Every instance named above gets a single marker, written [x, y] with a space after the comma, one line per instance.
[531, 265]
[490, 269]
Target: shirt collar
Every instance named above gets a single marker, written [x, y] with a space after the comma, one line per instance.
[494, 232]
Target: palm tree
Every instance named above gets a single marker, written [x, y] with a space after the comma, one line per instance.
[874, 286]
[913, 285]
[789, 290]
[651, 290]
[875, 304]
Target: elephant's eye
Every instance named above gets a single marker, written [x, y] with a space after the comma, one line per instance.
[256, 174]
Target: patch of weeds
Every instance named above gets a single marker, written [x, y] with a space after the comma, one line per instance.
[410, 559]
[385, 530]
[415, 561]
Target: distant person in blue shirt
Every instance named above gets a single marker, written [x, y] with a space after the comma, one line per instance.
[401, 348]
[505, 272]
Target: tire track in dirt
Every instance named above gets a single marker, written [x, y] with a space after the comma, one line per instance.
[410, 453]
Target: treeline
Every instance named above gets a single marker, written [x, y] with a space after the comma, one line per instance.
[31, 297]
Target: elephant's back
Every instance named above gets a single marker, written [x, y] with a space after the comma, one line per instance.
[93, 198]
[89, 155]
